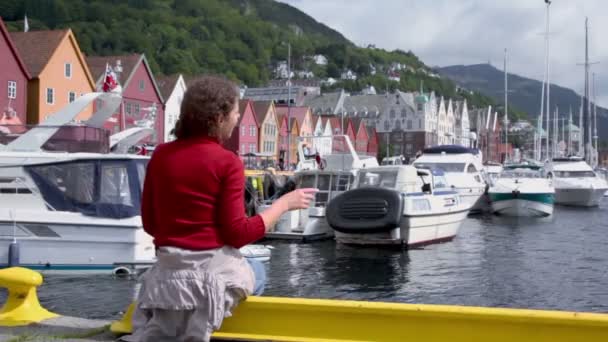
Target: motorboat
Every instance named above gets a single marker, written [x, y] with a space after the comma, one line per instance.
[575, 182]
[521, 190]
[463, 169]
[399, 206]
[331, 174]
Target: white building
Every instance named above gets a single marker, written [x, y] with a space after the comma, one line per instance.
[172, 89]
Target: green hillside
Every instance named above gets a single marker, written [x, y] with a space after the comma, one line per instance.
[242, 39]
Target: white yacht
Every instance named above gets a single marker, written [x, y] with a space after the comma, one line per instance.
[399, 206]
[575, 182]
[463, 169]
[521, 190]
[332, 174]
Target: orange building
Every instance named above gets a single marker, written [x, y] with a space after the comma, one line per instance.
[58, 69]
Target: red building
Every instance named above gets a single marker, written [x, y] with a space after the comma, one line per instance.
[141, 95]
[372, 144]
[13, 83]
[244, 139]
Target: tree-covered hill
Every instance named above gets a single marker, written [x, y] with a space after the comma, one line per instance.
[243, 39]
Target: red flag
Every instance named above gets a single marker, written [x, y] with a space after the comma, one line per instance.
[109, 80]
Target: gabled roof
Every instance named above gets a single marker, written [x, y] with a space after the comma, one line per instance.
[356, 122]
[166, 84]
[37, 47]
[261, 108]
[11, 45]
[129, 64]
[97, 64]
[243, 104]
[297, 112]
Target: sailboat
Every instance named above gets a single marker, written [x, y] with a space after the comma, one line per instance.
[575, 181]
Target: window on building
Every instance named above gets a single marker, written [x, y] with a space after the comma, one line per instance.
[409, 148]
[252, 130]
[252, 147]
[68, 70]
[128, 109]
[136, 109]
[12, 89]
[142, 85]
[71, 96]
[387, 125]
[403, 113]
[419, 123]
[409, 124]
[242, 130]
[50, 96]
[392, 113]
[420, 107]
[398, 125]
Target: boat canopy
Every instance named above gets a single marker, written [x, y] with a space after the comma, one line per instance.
[107, 188]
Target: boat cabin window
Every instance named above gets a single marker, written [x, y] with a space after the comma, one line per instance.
[323, 184]
[97, 187]
[383, 179]
[471, 168]
[306, 181]
[445, 167]
[342, 182]
[573, 174]
[520, 174]
[440, 182]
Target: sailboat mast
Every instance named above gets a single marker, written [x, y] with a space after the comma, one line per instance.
[547, 108]
[570, 132]
[586, 105]
[595, 137]
[506, 125]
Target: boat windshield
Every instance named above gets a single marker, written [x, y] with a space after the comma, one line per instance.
[520, 174]
[574, 174]
[383, 179]
[445, 167]
[96, 187]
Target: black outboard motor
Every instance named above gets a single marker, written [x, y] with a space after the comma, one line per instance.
[365, 210]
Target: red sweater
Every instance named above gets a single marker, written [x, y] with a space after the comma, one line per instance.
[193, 197]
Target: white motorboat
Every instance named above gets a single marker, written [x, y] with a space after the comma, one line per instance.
[575, 182]
[332, 174]
[463, 170]
[399, 206]
[521, 190]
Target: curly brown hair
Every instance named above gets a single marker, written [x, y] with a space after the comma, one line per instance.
[206, 100]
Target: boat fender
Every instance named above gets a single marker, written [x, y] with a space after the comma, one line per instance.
[13, 254]
[122, 271]
[365, 210]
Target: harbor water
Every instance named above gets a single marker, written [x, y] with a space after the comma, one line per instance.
[560, 263]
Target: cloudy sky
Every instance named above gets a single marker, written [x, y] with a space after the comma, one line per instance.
[448, 32]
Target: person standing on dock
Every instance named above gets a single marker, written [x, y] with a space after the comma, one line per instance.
[192, 205]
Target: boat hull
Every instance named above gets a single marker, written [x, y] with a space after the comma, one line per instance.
[582, 197]
[414, 231]
[302, 225]
[530, 205]
[64, 242]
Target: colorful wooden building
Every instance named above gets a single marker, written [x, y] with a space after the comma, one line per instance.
[142, 99]
[58, 70]
[13, 83]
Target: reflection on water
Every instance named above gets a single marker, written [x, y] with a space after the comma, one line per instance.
[558, 262]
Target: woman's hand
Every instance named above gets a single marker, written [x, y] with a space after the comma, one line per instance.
[296, 199]
[299, 198]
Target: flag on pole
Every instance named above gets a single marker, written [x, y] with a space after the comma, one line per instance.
[26, 25]
[109, 80]
[488, 117]
[495, 119]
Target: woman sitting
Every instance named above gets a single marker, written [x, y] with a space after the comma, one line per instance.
[193, 207]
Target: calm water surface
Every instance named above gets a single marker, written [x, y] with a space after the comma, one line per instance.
[555, 263]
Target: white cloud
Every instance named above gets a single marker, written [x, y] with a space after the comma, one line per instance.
[447, 32]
